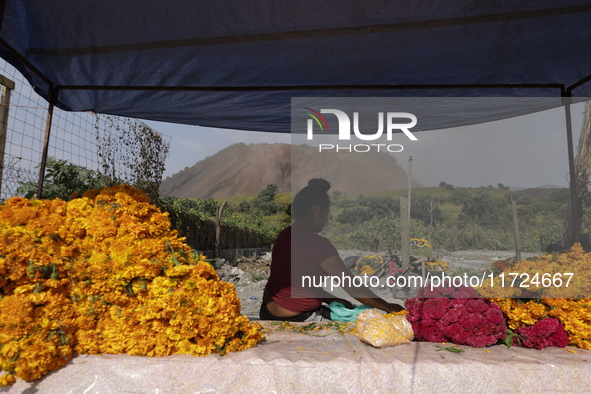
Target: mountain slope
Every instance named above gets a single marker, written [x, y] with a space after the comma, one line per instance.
[242, 169]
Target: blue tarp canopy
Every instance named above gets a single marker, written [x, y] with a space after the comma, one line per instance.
[237, 64]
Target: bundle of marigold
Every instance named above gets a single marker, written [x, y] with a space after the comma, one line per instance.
[437, 266]
[369, 264]
[106, 274]
[465, 321]
[564, 275]
[367, 270]
[417, 243]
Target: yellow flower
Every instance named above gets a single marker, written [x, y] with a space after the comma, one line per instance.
[105, 274]
[7, 380]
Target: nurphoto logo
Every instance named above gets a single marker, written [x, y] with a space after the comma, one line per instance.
[392, 121]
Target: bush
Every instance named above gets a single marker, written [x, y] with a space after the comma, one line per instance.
[355, 215]
[62, 179]
[420, 210]
[194, 220]
[244, 207]
[459, 196]
[486, 210]
[380, 206]
[375, 235]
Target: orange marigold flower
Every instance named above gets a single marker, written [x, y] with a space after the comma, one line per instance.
[104, 273]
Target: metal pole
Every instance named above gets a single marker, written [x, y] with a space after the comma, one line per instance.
[409, 185]
[575, 218]
[7, 87]
[404, 234]
[53, 93]
[516, 230]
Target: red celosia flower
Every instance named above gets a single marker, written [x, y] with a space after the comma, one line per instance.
[434, 308]
[414, 306]
[462, 318]
[448, 292]
[546, 332]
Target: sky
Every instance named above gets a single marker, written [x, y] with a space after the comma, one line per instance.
[527, 151]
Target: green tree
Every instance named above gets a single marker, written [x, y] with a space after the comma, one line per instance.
[380, 206]
[264, 203]
[420, 209]
[268, 193]
[209, 206]
[244, 206]
[459, 196]
[343, 203]
[560, 196]
[375, 235]
[354, 215]
[447, 186]
[486, 210]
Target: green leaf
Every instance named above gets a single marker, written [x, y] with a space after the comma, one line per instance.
[509, 338]
[451, 349]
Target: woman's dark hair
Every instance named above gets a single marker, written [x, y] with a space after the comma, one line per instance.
[313, 194]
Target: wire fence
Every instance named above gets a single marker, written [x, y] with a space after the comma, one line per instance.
[583, 175]
[85, 139]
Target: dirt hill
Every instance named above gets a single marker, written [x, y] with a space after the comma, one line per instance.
[242, 169]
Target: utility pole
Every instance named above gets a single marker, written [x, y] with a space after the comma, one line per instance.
[404, 234]
[516, 230]
[7, 87]
[409, 185]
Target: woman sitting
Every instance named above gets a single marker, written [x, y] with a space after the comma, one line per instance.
[300, 252]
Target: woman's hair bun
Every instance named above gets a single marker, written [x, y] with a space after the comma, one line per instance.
[313, 194]
[319, 184]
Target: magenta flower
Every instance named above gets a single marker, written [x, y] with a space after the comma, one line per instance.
[456, 315]
[546, 332]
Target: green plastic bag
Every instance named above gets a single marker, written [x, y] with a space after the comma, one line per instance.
[339, 312]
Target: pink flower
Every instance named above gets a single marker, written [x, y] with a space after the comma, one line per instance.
[426, 292]
[477, 305]
[453, 315]
[494, 315]
[454, 330]
[435, 308]
[465, 292]
[428, 333]
[546, 332]
[414, 306]
[472, 320]
[480, 341]
[428, 322]
[459, 301]
[446, 291]
[466, 321]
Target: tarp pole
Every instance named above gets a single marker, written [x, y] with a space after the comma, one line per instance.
[575, 218]
[409, 185]
[404, 233]
[6, 87]
[53, 93]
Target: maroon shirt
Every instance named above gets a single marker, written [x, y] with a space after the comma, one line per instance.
[307, 250]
